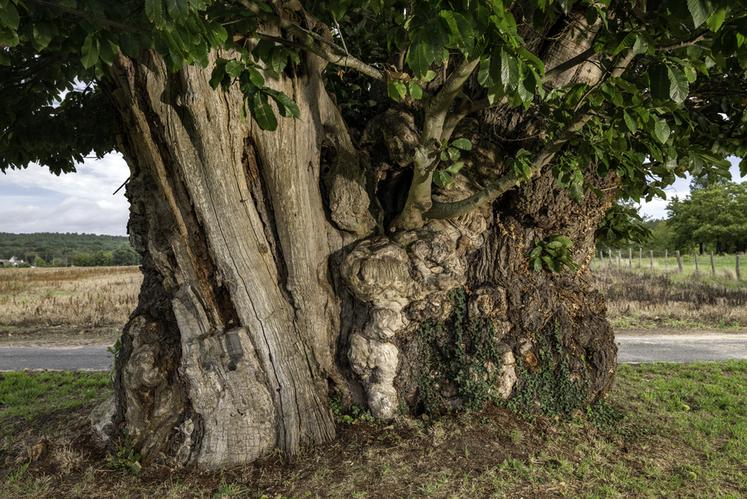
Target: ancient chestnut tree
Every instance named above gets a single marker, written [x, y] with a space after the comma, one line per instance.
[388, 203]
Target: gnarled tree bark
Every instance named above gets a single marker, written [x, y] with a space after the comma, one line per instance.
[271, 285]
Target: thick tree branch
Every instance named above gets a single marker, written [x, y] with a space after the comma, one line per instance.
[440, 104]
[511, 179]
[570, 63]
[315, 43]
[419, 197]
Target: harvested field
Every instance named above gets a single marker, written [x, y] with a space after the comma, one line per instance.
[66, 302]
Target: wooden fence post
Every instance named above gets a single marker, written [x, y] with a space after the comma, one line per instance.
[640, 257]
[739, 275]
[619, 256]
[713, 266]
[630, 258]
[679, 262]
[666, 257]
[651, 260]
[697, 270]
[609, 258]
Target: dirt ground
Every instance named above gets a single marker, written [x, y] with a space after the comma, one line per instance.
[665, 431]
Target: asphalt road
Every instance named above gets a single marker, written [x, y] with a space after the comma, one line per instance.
[680, 347]
[88, 358]
[632, 349]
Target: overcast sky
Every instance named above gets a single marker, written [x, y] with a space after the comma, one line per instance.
[34, 200]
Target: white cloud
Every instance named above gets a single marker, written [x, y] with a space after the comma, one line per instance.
[34, 200]
[657, 208]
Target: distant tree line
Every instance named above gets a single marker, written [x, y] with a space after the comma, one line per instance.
[712, 218]
[65, 249]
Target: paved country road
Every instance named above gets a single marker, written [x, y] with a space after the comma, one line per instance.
[680, 347]
[632, 348]
[90, 358]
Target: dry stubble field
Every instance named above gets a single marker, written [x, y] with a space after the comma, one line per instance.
[84, 305]
[67, 304]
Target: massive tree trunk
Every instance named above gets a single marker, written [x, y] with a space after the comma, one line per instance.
[270, 285]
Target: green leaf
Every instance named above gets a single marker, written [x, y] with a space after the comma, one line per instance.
[743, 167]
[658, 77]
[396, 90]
[678, 86]
[285, 104]
[416, 91]
[716, 20]
[219, 72]
[178, 9]
[662, 130]
[256, 77]
[234, 68]
[9, 16]
[442, 178]
[90, 51]
[278, 59]
[421, 55]
[455, 167]
[154, 12]
[640, 46]
[690, 73]
[262, 112]
[509, 70]
[537, 264]
[429, 75]
[454, 153]
[42, 35]
[630, 122]
[462, 143]
[698, 11]
[108, 52]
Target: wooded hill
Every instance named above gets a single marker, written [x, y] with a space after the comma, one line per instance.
[51, 248]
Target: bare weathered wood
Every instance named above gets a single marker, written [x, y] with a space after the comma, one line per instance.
[713, 265]
[651, 260]
[679, 262]
[736, 267]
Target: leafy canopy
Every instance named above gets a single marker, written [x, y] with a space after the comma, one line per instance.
[671, 100]
[712, 216]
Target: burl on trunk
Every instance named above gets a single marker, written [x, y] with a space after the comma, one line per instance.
[272, 282]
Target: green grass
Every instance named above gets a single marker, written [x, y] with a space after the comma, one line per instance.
[25, 397]
[667, 430]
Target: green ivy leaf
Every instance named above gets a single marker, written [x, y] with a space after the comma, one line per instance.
[396, 90]
[462, 143]
[442, 178]
[416, 91]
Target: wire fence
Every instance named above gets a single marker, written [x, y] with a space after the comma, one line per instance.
[644, 261]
